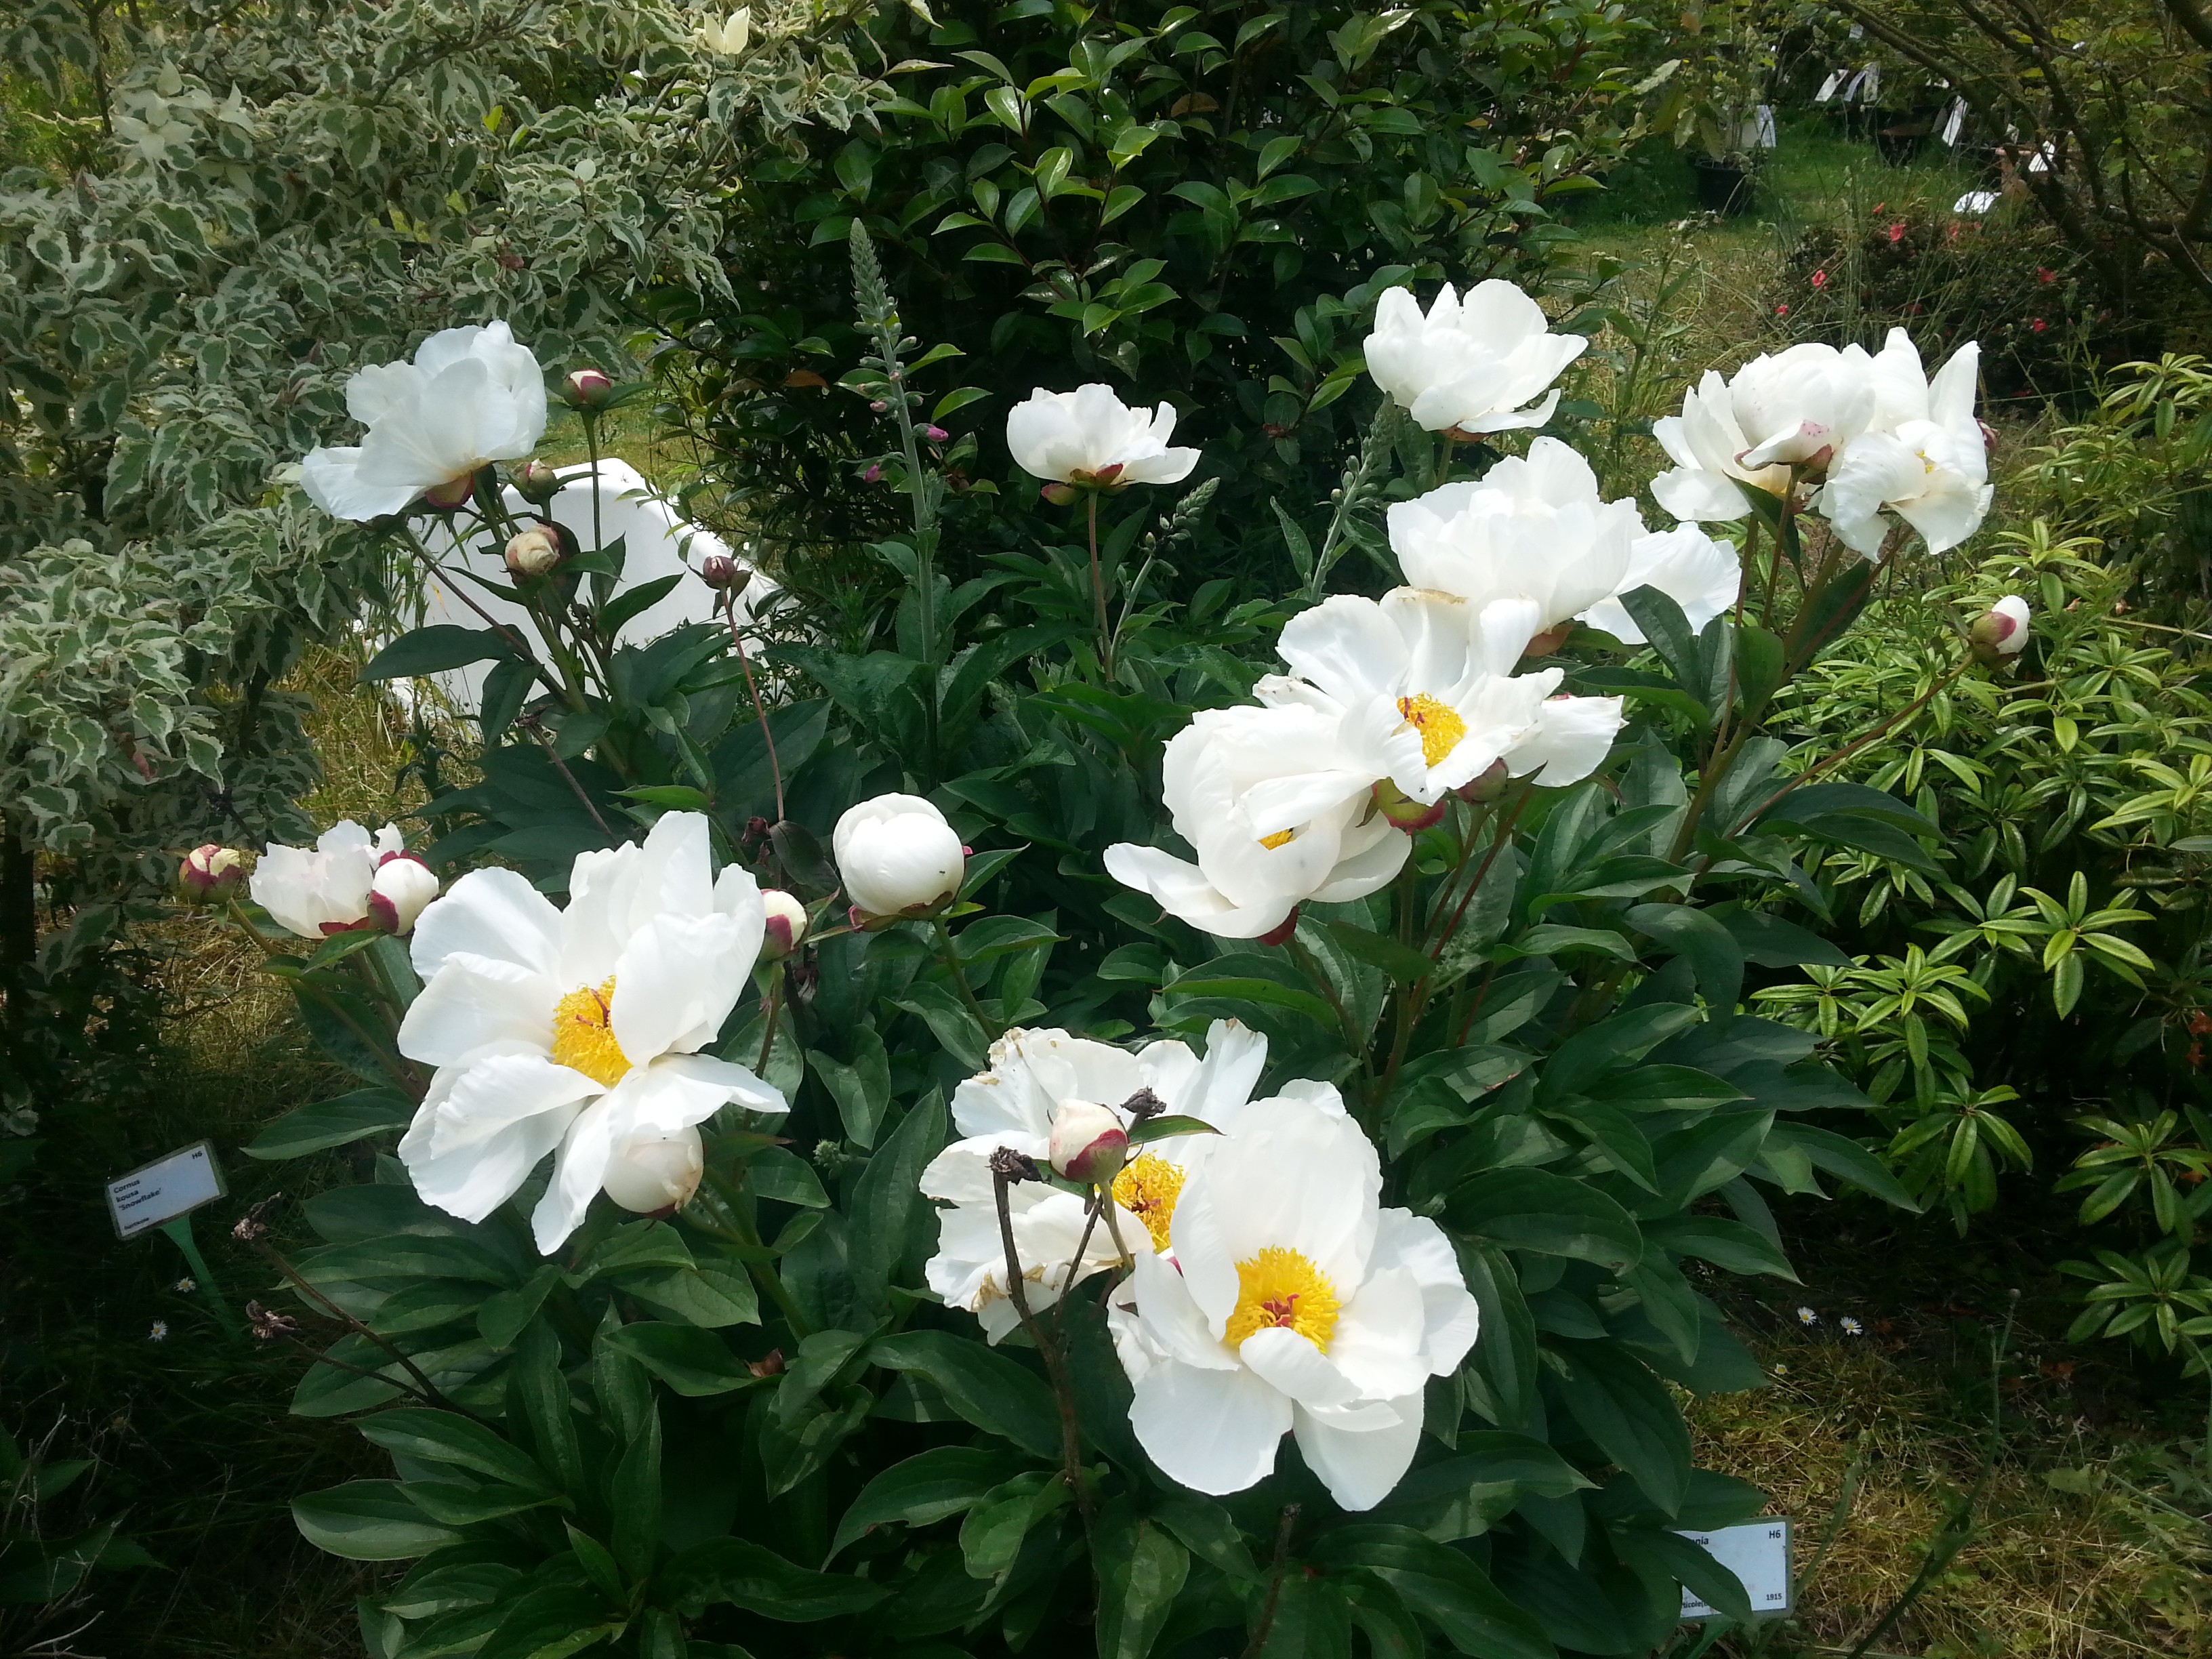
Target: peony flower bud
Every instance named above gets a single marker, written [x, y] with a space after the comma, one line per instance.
[1402, 810]
[1999, 633]
[1487, 786]
[536, 481]
[786, 924]
[652, 1177]
[1089, 1144]
[724, 573]
[897, 856]
[402, 886]
[452, 496]
[534, 553]
[588, 389]
[210, 874]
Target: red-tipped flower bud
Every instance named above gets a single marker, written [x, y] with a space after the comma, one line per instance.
[210, 872]
[1089, 1144]
[1402, 810]
[786, 924]
[1999, 633]
[1487, 786]
[536, 481]
[398, 892]
[724, 573]
[535, 552]
[587, 389]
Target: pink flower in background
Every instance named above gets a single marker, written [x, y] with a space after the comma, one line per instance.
[2037, 325]
[1820, 279]
[1896, 232]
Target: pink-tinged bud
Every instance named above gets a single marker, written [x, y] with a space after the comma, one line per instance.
[210, 874]
[875, 472]
[536, 481]
[878, 406]
[1280, 933]
[1488, 787]
[587, 389]
[1089, 1144]
[725, 575]
[1999, 633]
[652, 1177]
[534, 553]
[398, 892]
[1402, 810]
[786, 924]
[452, 495]
[1059, 495]
[936, 434]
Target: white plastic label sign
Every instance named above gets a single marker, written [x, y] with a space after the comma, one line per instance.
[1758, 1553]
[164, 1189]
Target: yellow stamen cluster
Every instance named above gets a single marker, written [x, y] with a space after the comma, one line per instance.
[1283, 1288]
[1147, 1188]
[1438, 723]
[583, 1038]
[1280, 838]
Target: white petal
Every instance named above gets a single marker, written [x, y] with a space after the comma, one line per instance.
[1361, 1468]
[1291, 1363]
[472, 1001]
[676, 982]
[495, 915]
[1214, 1432]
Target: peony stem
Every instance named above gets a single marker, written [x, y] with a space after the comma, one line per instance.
[1098, 590]
[950, 957]
[1007, 1167]
[775, 767]
[1276, 1570]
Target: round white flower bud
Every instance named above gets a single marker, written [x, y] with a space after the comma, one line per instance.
[210, 872]
[1087, 1142]
[649, 1176]
[786, 923]
[2001, 631]
[398, 892]
[897, 856]
[535, 552]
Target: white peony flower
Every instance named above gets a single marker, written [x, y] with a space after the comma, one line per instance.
[727, 38]
[1702, 575]
[577, 1031]
[1532, 528]
[897, 856]
[1470, 365]
[316, 894]
[398, 892]
[1706, 446]
[1293, 1303]
[1794, 408]
[1037, 1081]
[1923, 457]
[1422, 684]
[472, 395]
[1090, 436]
[1256, 793]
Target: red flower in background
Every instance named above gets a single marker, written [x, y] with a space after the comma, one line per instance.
[2045, 274]
[2038, 326]
[1896, 232]
[1820, 279]
[1781, 311]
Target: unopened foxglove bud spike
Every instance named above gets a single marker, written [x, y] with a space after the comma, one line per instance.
[1088, 1143]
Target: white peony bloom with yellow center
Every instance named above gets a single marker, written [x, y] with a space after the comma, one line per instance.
[1035, 1079]
[1469, 365]
[577, 1031]
[470, 396]
[325, 891]
[1236, 782]
[1292, 1303]
[1424, 686]
[1701, 574]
